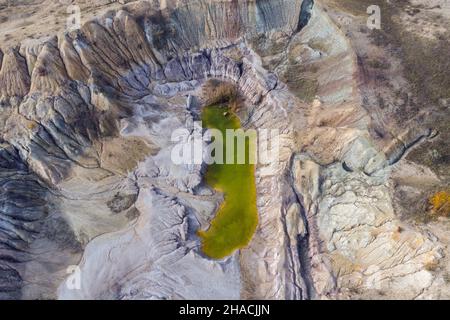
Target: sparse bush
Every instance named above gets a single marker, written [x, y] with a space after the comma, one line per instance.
[32, 125]
[447, 278]
[305, 88]
[218, 92]
[42, 71]
[378, 64]
[432, 265]
[422, 59]
[318, 45]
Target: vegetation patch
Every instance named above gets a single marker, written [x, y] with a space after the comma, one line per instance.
[440, 204]
[304, 88]
[378, 64]
[425, 64]
[423, 59]
[218, 92]
[319, 45]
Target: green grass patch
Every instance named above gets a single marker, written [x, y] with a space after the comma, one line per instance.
[237, 218]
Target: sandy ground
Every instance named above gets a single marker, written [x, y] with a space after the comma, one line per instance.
[24, 19]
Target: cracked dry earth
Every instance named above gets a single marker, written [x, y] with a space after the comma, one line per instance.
[86, 178]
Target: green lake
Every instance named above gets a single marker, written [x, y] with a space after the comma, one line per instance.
[236, 220]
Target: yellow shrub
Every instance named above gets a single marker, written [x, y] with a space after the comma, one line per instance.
[440, 203]
[31, 125]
